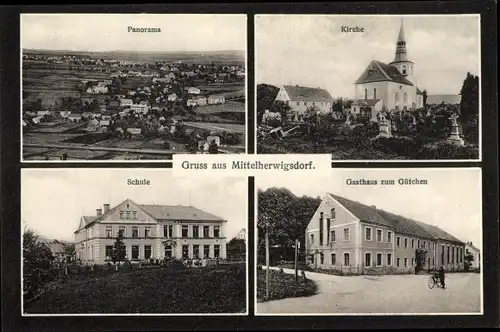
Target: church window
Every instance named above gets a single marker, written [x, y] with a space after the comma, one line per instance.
[404, 70]
[374, 93]
[405, 97]
[397, 97]
[366, 93]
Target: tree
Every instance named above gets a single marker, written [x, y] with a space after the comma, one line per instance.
[469, 102]
[213, 148]
[424, 97]
[236, 249]
[69, 251]
[468, 259]
[266, 94]
[37, 262]
[119, 252]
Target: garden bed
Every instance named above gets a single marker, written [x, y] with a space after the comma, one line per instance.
[283, 285]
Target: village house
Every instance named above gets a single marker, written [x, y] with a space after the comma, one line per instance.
[194, 91]
[98, 89]
[43, 113]
[134, 131]
[191, 102]
[201, 101]
[124, 102]
[216, 99]
[140, 108]
[476, 255]
[104, 123]
[150, 232]
[75, 117]
[172, 97]
[65, 114]
[353, 237]
[392, 85]
[300, 98]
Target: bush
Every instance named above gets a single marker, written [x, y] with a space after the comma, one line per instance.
[282, 285]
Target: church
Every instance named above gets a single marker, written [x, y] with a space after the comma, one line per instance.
[391, 86]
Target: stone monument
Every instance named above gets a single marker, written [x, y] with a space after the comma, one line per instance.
[455, 135]
[384, 128]
[348, 119]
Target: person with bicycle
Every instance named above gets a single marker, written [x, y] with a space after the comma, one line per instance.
[441, 276]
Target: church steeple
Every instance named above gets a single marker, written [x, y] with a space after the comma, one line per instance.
[401, 46]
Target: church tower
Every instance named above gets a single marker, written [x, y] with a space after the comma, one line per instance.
[401, 62]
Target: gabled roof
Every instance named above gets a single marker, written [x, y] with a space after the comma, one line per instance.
[178, 212]
[446, 99]
[366, 102]
[302, 93]
[399, 223]
[378, 71]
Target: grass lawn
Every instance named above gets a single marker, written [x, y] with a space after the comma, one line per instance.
[162, 290]
[283, 285]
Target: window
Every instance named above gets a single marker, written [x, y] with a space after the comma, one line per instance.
[206, 250]
[168, 251]
[452, 255]
[346, 234]
[216, 250]
[147, 232]
[312, 238]
[413, 261]
[423, 244]
[389, 236]
[333, 259]
[147, 252]
[428, 262]
[368, 233]
[374, 93]
[196, 231]
[346, 260]
[121, 214]
[405, 97]
[109, 252]
[206, 231]
[379, 235]
[379, 259]
[322, 258]
[389, 259]
[404, 70]
[321, 229]
[397, 97]
[406, 242]
[196, 251]
[135, 231]
[185, 251]
[332, 213]
[398, 239]
[185, 231]
[128, 214]
[406, 262]
[298, 103]
[123, 230]
[332, 235]
[134, 213]
[109, 231]
[328, 225]
[368, 259]
[433, 261]
[135, 252]
[314, 103]
[448, 254]
[442, 254]
[366, 94]
[216, 231]
[165, 230]
[397, 262]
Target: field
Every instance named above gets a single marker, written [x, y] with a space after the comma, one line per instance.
[228, 106]
[159, 290]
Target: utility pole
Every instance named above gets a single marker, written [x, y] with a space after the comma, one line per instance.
[267, 256]
[296, 260]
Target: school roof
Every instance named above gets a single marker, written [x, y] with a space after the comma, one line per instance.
[400, 224]
[302, 93]
[378, 71]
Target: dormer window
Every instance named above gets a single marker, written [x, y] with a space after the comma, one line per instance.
[121, 214]
[128, 214]
[134, 213]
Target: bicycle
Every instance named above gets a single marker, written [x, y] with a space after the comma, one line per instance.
[433, 281]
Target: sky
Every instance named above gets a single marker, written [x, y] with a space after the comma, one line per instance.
[451, 200]
[53, 200]
[109, 32]
[311, 50]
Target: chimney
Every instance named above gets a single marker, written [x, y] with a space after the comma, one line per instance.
[98, 212]
[105, 208]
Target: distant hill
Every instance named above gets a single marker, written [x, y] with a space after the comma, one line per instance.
[223, 56]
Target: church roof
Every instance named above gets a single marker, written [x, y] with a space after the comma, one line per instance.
[302, 93]
[380, 72]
